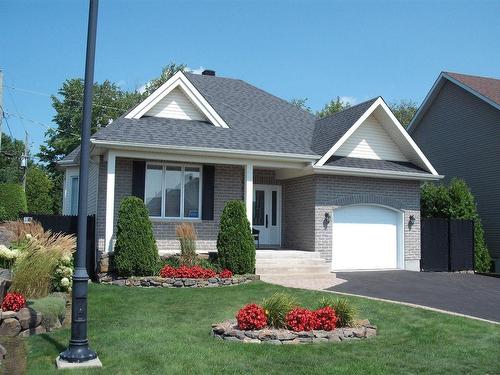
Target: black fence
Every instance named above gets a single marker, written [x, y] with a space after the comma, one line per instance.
[447, 244]
[69, 225]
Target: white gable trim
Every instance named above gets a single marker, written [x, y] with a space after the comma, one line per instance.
[378, 103]
[178, 80]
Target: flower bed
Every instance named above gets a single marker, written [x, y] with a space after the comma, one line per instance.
[280, 320]
[178, 282]
[230, 331]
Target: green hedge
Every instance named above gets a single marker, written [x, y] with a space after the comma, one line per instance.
[235, 244]
[39, 191]
[457, 202]
[135, 252]
[12, 201]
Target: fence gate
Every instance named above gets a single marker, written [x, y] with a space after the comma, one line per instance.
[69, 224]
[447, 244]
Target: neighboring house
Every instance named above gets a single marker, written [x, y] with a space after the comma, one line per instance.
[458, 128]
[346, 186]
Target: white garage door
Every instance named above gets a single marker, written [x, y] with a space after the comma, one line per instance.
[365, 238]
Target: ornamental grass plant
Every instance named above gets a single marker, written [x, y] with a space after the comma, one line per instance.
[344, 310]
[277, 308]
[186, 234]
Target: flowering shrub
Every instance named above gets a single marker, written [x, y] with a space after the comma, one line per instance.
[195, 272]
[226, 274]
[13, 302]
[301, 319]
[325, 319]
[251, 317]
[61, 280]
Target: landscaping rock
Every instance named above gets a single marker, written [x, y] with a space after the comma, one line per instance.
[189, 282]
[8, 314]
[32, 331]
[159, 282]
[28, 318]
[10, 327]
[230, 331]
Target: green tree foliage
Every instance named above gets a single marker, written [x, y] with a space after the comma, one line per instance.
[39, 191]
[332, 107]
[135, 252]
[167, 72]
[301, 103]
[456, 201]
[235, 244]
[12, 201]
[10, 160]
[404, 110]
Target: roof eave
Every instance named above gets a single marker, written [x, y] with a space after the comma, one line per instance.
[375, 173]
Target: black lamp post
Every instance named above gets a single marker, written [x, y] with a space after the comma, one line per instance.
[78, 350]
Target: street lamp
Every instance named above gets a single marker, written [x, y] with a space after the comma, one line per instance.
[79, 354]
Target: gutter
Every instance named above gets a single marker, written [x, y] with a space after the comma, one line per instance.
[375, 173]
[205, 150]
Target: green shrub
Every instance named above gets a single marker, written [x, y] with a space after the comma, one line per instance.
[277, 307]
[206, 263]
[12, 201]
[135, 252]
[235, 244]
[39, 191]
[344, 310]
[52, 308]
[457, 202]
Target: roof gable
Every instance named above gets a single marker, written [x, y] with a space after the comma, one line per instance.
[371, 141]
[395, 132]
[162, 103]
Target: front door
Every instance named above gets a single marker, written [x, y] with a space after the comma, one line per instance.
[267, 214]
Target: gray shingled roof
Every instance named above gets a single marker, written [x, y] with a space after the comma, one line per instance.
[330, 129]
[385, 165]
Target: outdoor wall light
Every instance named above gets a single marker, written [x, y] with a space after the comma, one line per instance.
[412, 220]
[328, 218]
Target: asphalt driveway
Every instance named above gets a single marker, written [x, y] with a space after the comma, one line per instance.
[469, 294]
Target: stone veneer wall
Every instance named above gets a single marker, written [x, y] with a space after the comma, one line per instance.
[228, 185]
[335, 191]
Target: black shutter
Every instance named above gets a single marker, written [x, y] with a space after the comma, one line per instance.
[207, 203]
[138, 178]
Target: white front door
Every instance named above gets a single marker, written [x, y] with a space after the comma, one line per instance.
[366, 237]
[267, 213]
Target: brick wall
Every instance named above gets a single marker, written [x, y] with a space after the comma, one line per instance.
[228, 185]
[335, 191]
[298, 213]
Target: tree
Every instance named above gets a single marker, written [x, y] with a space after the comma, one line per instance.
[39, 191]
[12, 201]
[109, 102]
[235, 244]
[332, 107]
[301, 103]
[404, 110]
[457, 202]
[10, 160]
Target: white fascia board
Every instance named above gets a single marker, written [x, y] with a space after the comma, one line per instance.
[223, 156]
[375, 173]
[181, 81]
[348, 133]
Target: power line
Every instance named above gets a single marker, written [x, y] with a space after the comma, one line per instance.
[66, 99]
[38, 123]
[16, 108]
[8, 127]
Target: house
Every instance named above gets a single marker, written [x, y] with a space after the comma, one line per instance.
[458, 128]
[345, 186]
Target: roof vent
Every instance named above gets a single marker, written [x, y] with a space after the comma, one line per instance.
[208, 72]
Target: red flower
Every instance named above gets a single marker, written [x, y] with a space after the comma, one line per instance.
[226, 274]
[195, 272]
[325, 319]
[251, 317]
[13, 302]
[300, 319]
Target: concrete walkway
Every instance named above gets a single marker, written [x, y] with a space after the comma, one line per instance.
[311, 282]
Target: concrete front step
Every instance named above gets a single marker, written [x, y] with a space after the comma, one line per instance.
[279, 254]
[298, 269]
[290, 262]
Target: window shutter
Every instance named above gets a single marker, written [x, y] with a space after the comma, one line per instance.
[208, 179]
[138, 178]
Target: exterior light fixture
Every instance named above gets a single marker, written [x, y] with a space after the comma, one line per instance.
[411, 221]
[328, 218]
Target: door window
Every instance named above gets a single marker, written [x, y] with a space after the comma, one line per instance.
[258, 208]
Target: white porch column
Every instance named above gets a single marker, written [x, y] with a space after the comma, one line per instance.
[249, 191]
[110, 200]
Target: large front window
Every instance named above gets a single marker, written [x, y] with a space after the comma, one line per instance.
[173, 191]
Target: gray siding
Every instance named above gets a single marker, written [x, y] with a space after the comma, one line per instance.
[460, 134]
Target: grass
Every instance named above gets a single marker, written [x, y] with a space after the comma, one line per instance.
[159, 331]
[52, 308]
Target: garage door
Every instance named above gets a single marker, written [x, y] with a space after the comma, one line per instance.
[365, 238]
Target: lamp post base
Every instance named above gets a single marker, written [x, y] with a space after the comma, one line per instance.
[65, 365]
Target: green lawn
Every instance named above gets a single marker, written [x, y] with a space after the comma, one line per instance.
[160, 331]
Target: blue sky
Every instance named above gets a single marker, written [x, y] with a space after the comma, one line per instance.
[293, 49]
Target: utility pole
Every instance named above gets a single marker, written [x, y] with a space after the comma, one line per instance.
[1, 107]
[79, 354]
[24, 160]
